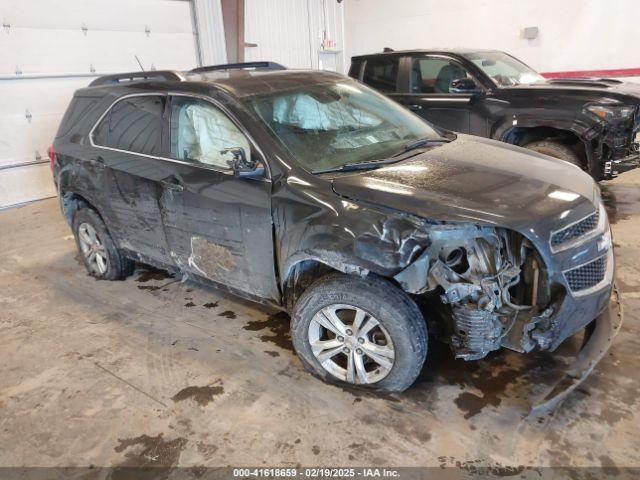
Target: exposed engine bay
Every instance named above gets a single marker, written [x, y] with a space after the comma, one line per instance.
[493, 288]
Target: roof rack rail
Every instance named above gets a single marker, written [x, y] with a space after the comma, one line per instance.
[165, 75]
[239, 66]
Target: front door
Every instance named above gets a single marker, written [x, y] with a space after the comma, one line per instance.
[428, 94]
[218, 225]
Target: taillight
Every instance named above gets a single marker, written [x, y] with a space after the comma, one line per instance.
[52, 156]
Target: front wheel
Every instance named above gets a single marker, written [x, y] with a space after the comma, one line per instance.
[364, 332]
[556, 150]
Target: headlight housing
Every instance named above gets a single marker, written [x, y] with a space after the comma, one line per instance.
[611, 113]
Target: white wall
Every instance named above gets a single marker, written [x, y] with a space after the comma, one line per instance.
[574, 34]
[292, 32]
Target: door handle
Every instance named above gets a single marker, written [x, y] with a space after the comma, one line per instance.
[98, 163]
[173, 184]
[414, 106]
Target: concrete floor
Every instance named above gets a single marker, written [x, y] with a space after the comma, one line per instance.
[154, 372]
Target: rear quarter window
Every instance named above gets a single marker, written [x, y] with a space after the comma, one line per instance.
[134, 125]
[78, 115]
[381, 74]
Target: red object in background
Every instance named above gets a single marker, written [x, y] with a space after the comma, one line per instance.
[52, 155]
[617, 72]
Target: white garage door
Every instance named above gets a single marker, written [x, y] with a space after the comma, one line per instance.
[280, 31]
[49, 48]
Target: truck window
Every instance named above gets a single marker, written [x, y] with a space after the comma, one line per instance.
[134, 125]
[435, 74]
[381, 74]
[354, 70]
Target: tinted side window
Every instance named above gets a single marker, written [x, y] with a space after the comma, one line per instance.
[101, 132]
[435, 74]
[381, 74]
[354, 70]
[74, 117]
[135, 125]
[200, 133]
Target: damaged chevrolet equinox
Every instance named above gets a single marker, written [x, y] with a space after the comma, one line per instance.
[311, 192]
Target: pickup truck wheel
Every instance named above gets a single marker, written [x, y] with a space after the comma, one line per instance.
[98, 250]
[361, 332]
[556, 150]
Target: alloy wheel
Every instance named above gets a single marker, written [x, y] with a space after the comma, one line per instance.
[351, 344]
[92, 248]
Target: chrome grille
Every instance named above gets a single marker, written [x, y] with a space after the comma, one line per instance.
[576, 230]
[587, 275]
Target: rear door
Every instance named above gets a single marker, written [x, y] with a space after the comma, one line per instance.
[425, 90]
[128, 147]
[218, 225]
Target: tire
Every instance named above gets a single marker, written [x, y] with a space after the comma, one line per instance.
[114, 266]
[556, 150]
[400, 330]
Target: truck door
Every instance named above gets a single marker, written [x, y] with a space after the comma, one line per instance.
[427, 91]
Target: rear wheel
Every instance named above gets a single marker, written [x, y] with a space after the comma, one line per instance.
[556, 150]
[363, 332]
[98, 250]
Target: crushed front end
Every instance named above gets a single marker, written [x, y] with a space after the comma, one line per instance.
[614, 139]
[498, 288]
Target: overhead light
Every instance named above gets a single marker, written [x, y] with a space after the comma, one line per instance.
[564, 196]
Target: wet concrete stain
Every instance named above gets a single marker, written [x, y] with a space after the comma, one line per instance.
[278, 325]
[472, 404]
[482, 468]
[150, 288]
[501, 376]
[152, 274]
[210, 305]
[272, 353]
[201, 395]
[228, 314]
[207, 450]
[315, 449]
[189, 304]
[361, 392]
[621, 201]
[148, 457]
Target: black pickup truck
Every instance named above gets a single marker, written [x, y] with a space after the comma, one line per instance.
[591, 122]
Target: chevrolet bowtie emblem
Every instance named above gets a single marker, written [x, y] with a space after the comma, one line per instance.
[604, 243]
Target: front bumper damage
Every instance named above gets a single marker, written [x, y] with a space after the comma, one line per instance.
[612, 168]
[607, 326]
[489, 289]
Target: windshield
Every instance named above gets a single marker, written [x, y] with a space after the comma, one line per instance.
[326, 127]
[505, 70]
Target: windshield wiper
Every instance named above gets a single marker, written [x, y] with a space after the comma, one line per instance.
[347, 167]
[422, 142]
[416, 144]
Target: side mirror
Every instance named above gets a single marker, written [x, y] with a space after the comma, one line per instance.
[464, 85]
[239, 163]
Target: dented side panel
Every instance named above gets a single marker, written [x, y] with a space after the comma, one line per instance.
[219, 227]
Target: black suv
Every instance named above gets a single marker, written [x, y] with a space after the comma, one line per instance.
[592, 123]
[311, 192]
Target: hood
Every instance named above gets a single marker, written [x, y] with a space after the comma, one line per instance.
[589, 87]
[478, 180]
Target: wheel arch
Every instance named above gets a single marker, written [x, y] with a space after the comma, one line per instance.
[71, 201]
[302, 269]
